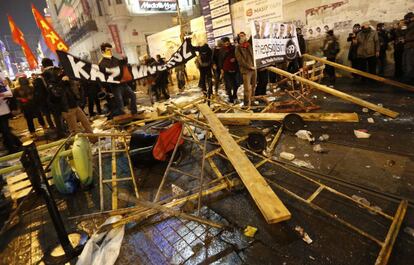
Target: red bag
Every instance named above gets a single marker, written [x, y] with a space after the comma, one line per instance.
[166, 141]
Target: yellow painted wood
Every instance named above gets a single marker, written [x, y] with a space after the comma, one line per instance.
[336, 93]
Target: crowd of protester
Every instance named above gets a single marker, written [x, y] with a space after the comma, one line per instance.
[58, 104]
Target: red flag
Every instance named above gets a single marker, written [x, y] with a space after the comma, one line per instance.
[52, 39]
[18, 38]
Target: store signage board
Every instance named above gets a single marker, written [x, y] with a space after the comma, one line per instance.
[217, 3]
[223, 31]
[222, 21]
[220, 11]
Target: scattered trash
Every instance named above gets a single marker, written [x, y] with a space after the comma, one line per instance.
[306, 155]
[266, 130]
[323, 137]
[292, 147]
[303, 234]
[361, 200]
[312, 258]
[362, 134]
[176, 190]
[250, 231]
[287, 156]
[380, 105]
[370, 120]
[365, 110]
[368, 166]
[391, 163]
[376, 208]
[377, 114]
[108, 250]
[305, 135]
[318, 149]
[396, 177]
[409, 231]
[301, 163]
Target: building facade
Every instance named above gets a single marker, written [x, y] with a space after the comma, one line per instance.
[85, 24]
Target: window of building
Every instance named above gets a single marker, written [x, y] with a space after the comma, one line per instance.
[98, 4]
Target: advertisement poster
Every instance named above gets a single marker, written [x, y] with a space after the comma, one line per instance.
[263, 10]
[273, 43]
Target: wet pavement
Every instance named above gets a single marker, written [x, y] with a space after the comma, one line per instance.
[379, 169]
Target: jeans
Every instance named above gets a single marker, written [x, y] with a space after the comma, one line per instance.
[231, 84]
[10, 141]
[94, 100]
[249, 84]
[330, 72]
[206, 80]
[369, 64]
[60, 127]
[408, 66]
[382, 60]
[119, 92]
[30, 115]
[398, 59]
[262, 81]
[75, 115]
[217, 81]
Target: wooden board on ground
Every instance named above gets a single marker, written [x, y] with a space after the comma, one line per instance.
[269, 204]
[237, 118]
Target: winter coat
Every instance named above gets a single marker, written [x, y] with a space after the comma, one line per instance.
[330, 47]
[227, 59]
[352, 54]
[244, 56]
[409, 36]
[368, 43]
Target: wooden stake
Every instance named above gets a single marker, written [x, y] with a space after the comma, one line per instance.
[336, 93]
[361, 73]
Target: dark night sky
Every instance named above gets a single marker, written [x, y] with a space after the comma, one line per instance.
[21, 12]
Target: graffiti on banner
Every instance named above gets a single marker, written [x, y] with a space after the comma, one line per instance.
[273, 43]
[78, 69]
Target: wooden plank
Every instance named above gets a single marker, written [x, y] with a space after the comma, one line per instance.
[325, 117]
[336, 93]
[114, 183]
[388, 244]
[361, 73]
[269, 204]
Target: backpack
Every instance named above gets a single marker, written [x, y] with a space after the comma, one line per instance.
[204, 60]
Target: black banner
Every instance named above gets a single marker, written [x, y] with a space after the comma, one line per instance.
[76, 68]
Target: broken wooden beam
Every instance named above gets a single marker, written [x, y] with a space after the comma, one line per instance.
[324, 117]
[361, 73]
[336, 93]
[269, 204]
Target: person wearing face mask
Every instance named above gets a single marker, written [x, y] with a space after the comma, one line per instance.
[368, 49]
[408, 61]
[10, 141]
[383, 43]
[330, 50]
[352, 54]
[117, 90]
[244, 56]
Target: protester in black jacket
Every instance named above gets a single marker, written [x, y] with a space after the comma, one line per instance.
[383, 37]
[330, 50]
[161, 81]
[352, 54]
[40, 96]
[204, 63]
[398, 38]
[216, 66]
[52, 76]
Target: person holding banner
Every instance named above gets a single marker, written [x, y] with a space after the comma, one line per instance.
[244, 56]
[118, 90]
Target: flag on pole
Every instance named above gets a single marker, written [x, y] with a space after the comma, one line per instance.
[18, 38]
[52, 39]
